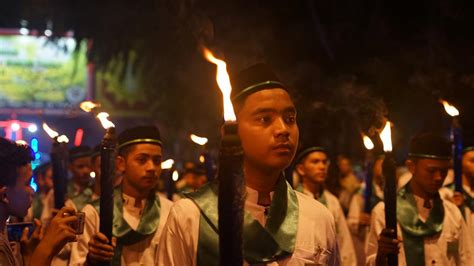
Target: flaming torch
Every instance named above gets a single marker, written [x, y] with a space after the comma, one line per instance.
[390, 187]
[456, 135]
[205, 156]
[230, 176]
[369, 145]
[59, 156]
[167, 166]
[107, 168]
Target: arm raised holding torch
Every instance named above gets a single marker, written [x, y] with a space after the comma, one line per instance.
[388, 243]
[59, 161]
[230, 176]
[107, 168]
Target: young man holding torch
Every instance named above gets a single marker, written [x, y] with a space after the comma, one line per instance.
[139, 211]
[464, 200]
[431, 231]
[281, 226]
[78, 192]
[312, 165]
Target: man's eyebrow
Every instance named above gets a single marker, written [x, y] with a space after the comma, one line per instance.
[264, 110]
[289, 109]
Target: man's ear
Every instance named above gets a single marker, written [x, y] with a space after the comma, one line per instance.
[411, 165]
[300, 170]
[120, 163]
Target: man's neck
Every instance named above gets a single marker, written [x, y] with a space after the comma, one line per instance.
[418, 191]
[263, 181]
[315, 188]
[131, 191]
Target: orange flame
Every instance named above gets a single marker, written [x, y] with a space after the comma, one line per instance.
[88, 106]
[450, 109]
[223, 80]
[369, 145]
[103, 117]
[386, 136]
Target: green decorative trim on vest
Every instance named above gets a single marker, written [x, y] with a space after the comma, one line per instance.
[261, 244]
[80, 199]
[413, 229]
[38, 206]
[124, 233]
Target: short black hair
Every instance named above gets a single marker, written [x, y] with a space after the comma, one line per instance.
[12, 156]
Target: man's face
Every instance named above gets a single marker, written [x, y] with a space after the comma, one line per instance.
[81, 170]
[314, 167]
[20, 196]
[344, 165]
[468, 165]
[141, 166]
[429, 174]
[268, 129]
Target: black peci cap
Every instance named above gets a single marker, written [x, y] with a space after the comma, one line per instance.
[430, 146]
[139, 134]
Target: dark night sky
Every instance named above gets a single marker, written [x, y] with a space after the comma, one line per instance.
[337, 55]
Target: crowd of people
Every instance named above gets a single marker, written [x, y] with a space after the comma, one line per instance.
[319, 219]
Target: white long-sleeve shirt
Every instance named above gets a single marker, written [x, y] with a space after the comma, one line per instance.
[141, 253]
[344, 239]
[438, 248]
[448, 194]
[315, 240]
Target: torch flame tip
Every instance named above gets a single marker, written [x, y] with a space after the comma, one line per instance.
[88, 106]
[369, 145]
[103, 118]
[198, 140]
[386, 136]
[449, 108]
[223, 81]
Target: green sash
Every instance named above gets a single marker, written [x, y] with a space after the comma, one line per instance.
[468, 200]
[37, 206]
[124, 233]
[413, 229]
[79, 199]
[261, 245]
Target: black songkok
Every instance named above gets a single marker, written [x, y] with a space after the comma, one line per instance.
[306, 150]
[255, 78]
[79, 152]
[95, 151]
[430, 146]
[139, 134]
[468, 144]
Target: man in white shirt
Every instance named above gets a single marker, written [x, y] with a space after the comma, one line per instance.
[281, 226]
[139, 212]
[465, 199]
[311, 165]
[431, 230]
